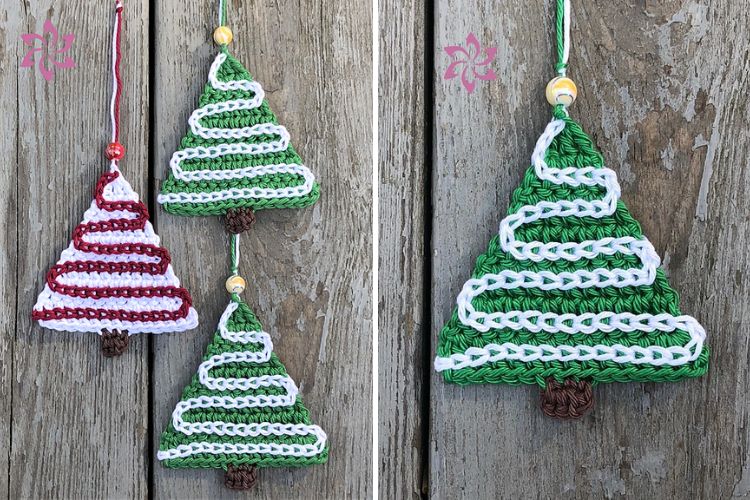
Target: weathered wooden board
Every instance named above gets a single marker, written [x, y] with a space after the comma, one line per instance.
[308, 270]
[10, 28]
[79, 421]
[662, 89]
[402, 255]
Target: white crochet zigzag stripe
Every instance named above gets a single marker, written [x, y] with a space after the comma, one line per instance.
[288, 398]
[117, 190]
[537, 321]
[220, 150]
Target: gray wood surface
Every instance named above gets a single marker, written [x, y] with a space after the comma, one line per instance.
[403, 196]
[76, 425]
[78, 422]
[9, 29]
[663, 92]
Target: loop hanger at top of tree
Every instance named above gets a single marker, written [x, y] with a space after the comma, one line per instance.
[223, 34]
[562, 29]
[115, 150]
[222, 12]
[561, 91]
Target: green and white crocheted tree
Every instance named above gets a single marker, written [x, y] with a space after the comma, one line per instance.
[235, 156]
[570, 293]
[242, 410]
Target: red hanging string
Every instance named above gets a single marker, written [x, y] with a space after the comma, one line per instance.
[118, 80]
[115, 151]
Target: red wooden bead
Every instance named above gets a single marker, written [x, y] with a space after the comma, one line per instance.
[115, 151]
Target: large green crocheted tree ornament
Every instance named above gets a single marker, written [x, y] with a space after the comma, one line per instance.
[570, 293]
[242, 410]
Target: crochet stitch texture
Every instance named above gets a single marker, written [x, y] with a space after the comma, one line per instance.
[235, 153]
[242, 408]
[114, 275]
[569, 288]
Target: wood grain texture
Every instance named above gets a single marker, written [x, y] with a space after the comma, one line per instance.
[662, 90]
[401, 260]
[308, 270]
[78, 420]
[10, 30]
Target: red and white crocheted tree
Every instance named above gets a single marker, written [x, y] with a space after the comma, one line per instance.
[114, 278]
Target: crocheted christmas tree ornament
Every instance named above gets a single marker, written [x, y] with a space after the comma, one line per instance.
[114, 278]
[235, 155]
[242, 410]
[570, 293]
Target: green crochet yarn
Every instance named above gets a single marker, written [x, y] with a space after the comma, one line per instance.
[267, 173]
[226, 413]
[571, 147]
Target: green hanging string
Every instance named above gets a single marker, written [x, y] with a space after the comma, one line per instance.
[222, 12]
[234, 252]
[561, 32]
[562, 38]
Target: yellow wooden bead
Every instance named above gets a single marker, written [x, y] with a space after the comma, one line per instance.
[235, 284]
[561, 90]
[223, 35]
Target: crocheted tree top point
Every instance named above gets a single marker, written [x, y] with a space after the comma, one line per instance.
[114, 275]
[242, 408]
[235, 154]
[569, 290]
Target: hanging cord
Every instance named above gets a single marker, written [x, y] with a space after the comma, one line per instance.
[115, 151]
[561, 91]
[235, 284]
[562, 28]
[235, 252]
[222, 34]
[222, 12]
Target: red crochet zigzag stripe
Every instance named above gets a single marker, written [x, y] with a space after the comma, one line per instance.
[157, 268]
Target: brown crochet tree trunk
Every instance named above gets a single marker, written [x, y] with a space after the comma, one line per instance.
[241, 477]
[114, 342]
[238, 220]
[569, 400]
